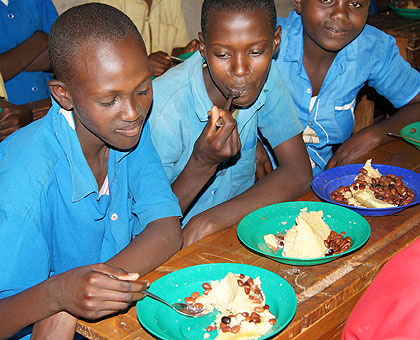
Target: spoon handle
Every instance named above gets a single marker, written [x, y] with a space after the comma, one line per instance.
[146, 292]
[397, 135]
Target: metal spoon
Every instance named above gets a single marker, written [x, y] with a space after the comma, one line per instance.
[397, 135]
[181, 308]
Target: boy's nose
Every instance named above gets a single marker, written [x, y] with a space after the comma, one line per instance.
[240, 67]
[131, 112]
[339, 11]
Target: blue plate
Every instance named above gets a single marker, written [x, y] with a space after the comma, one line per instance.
[165, 323]
[329, 180]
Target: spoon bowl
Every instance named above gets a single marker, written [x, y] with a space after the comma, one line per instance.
[182, 308]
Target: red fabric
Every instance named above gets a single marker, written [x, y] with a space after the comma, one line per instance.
[390, 307]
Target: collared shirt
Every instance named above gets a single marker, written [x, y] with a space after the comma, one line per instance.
[373, 57]
[51, 216]
[162, 28]
[180, 113]
[19, 21]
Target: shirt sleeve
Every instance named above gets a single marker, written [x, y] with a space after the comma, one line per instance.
[149, 184]
[278, 120]
[392, 76]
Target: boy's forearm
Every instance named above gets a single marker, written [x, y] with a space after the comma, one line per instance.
[191, 181]
[18, 58]
[283, 184]
[160, 240]
[26, 308]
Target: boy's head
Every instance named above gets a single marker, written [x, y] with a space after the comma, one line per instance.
[238, 40]
[102, 73]
[333, 24]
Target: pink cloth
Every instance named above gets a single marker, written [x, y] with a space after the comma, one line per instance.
[390, 307]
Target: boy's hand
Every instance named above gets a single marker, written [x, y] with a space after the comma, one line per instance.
[190, 47]
[97, 290]
[13, 117]
[217, 144]
[159, 63]
[264, 166]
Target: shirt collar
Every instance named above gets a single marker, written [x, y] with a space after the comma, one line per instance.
[83, 180]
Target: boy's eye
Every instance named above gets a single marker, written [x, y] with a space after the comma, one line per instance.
[142, 93]
[356, 4]
[256, 53]
[108, 104]
[222, 55]
[326, 1]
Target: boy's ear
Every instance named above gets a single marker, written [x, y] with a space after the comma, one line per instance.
[277, 39]
[298, 5]
[60, 93]
[202, 45]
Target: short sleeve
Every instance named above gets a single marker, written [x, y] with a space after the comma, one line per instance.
[24, 242]
[48, 14]
[392, 76]
[278, 120]
[149, 184]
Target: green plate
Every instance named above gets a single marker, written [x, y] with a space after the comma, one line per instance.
[165, 323]
[281, 217]
[408, 13]
[406, 132]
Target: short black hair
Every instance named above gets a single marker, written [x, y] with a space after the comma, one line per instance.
[87, 23]
[237, 6]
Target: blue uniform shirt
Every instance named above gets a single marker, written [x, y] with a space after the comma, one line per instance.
[373, 57]
[180, 113]
[51, 216]
[19, 21]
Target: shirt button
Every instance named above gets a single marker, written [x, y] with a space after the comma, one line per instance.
[34, 88]
[10, 15]
[213, 192]
[114, 217]
[308, 90]
[310, 123]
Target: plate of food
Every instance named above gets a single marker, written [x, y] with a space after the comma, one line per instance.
[249, 300]
[369, 189]
[410, 132]
[303, 233]
[406, 8]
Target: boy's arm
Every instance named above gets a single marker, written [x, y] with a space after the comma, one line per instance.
[13, 117]
[289, 181]
[215, 145]
[375, 135]
[20, 57]
[153, 246]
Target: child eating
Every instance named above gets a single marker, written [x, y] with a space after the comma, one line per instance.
[208, 152]
[327, 54]
[86, 207]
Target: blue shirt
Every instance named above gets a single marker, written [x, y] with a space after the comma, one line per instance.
[19, 21]
[51, 216]
[180, 113]
[373, 57]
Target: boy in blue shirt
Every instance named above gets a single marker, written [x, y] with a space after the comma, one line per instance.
[327, 54]
[212, 168]
[24, 64]
[85, 201]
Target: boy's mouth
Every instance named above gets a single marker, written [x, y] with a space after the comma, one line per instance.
[132, 130]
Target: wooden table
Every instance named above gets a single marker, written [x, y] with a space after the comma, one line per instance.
[326, 293]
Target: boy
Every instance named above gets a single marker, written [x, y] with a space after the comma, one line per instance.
[326, 55]
[211, 167]
[81, 187]
[24, 64]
